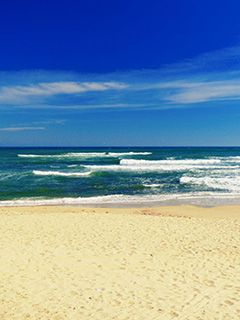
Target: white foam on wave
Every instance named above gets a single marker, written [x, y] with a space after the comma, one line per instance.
[231, 183]
[131, 153]
[134, 162]
[152, 185]
[61, 174]
[228, 159]
[117, 199]
[83, 155]
[232, 159]
[149, 168]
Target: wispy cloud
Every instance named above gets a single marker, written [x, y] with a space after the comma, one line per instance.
[198, 92]
[14, 129]
[207, 78]
[47, 122]
[20, 93]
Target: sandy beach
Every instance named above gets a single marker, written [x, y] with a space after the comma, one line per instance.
[165, 263]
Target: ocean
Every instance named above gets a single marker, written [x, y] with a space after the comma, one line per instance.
[120, 176]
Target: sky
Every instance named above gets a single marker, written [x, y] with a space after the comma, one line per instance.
[120, 73]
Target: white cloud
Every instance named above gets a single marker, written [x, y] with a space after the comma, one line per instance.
[21, 93]
[14, 129]
[197, 92]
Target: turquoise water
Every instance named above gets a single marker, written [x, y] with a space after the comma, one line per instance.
[117, 175]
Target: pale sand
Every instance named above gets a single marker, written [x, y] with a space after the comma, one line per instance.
[72, 263]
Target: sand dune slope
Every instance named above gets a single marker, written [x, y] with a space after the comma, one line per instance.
[71, 263]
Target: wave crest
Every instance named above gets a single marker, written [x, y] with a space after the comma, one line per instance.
[134, 162]
[83, 155]
[224, 183]
[61, 174]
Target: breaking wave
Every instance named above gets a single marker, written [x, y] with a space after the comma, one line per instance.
[83, 155]
[61, 174]
[231, 183]
[134, 162]
[152, 185]
[151, 168]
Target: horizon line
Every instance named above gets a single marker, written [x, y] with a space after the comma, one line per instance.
[170, 146]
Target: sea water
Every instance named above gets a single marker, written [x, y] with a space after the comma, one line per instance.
[119, 176]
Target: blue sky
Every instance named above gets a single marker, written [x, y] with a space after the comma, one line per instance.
[108, 73]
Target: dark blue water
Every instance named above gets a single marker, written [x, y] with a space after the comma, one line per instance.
[102, 175]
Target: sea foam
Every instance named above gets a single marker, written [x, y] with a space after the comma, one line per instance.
[134, 162]
[61, 174]
[231, 183]
[118, 199]
[83, 155]
[148, 167]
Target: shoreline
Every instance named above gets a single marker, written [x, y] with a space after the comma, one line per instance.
[202, 200]
[130, 201]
